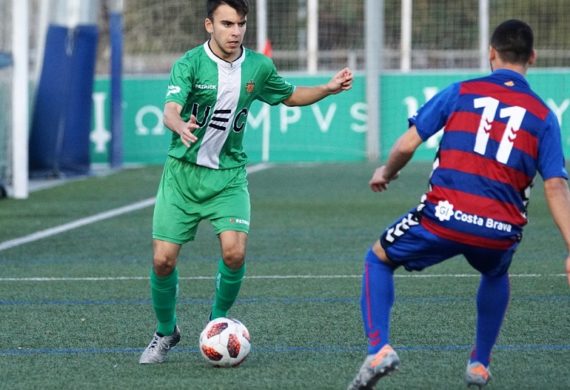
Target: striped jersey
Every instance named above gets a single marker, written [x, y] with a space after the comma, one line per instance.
[497, 135]
[219, 93]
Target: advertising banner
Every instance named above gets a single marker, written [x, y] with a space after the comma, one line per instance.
[333, 129]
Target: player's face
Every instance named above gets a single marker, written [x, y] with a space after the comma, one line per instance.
[227, 29]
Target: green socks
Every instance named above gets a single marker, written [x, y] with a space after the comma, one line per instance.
[164, 291]
[228, 283]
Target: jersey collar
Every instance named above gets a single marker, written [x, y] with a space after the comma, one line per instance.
[512, 75]
[221, 62]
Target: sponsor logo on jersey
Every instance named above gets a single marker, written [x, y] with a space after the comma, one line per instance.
[205, 86]
[173, 90]
[250, 86]
[444, 211]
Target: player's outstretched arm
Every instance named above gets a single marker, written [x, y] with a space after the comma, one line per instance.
[172, 120]
[400, 154]
[302, 96]
[558, 198]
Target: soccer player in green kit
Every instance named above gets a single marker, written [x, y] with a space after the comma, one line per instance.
[210, 91]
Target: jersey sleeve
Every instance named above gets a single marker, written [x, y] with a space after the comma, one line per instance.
[179, 85]
[551, 161]
[275, 88]
[433, 115]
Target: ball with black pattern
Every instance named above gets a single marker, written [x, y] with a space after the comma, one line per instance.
[225, 342]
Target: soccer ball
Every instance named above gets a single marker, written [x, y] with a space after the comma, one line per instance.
[224, 342]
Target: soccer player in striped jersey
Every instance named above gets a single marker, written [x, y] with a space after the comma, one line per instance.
[497, 135]
[207, 102]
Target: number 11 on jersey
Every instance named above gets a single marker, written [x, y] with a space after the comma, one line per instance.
[515, 115]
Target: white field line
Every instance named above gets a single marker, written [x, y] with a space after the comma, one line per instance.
[258, 277]
[75, 224]
[94, 218]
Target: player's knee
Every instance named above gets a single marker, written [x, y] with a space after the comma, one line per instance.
[233, 257]
[380, 252]
[163, 265]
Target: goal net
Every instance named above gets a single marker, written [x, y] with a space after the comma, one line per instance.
[444, 34]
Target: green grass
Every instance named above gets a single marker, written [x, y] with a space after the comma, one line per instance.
[312, 223]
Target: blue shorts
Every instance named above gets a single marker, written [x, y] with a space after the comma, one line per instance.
[407, 243]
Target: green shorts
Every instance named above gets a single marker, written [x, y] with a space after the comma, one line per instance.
[189, 193]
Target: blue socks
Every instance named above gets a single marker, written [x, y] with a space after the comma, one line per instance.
[492, 302]
[377, 298]
[376, 301]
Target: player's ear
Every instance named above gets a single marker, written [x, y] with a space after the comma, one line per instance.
[209, 25]
[492, 53]
[532, 58]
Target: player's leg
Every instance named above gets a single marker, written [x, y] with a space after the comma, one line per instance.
[164, 285]
[173, 225]
[164, 292]
[377, 297]
[405, 243]
[493, 297]
[230, 213]
[231, 270]
[492, 302]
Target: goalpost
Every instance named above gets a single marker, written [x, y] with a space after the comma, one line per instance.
[14, 84]
[20, 99]
[23, 25]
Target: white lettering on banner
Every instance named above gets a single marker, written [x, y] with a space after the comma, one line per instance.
[324, 122]
[359, 111]
[430, 92]
[100, 136]
[291, 115]
[141, 129]
[558, 110]
[288, 115]
[412, 105]
[262, 119]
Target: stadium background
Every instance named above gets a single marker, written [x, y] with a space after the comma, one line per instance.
[444, 48]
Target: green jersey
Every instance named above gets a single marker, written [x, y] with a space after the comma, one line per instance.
[219, 93]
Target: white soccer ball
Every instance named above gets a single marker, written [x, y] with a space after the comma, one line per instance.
[225, 342]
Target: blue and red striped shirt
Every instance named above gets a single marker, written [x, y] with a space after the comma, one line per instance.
[497, 135]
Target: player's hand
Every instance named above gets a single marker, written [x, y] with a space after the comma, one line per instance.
[186, 132]
[342, 81]
[379, 181]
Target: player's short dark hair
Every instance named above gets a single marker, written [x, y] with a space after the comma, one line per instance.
[241, 6]
[514, 41]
